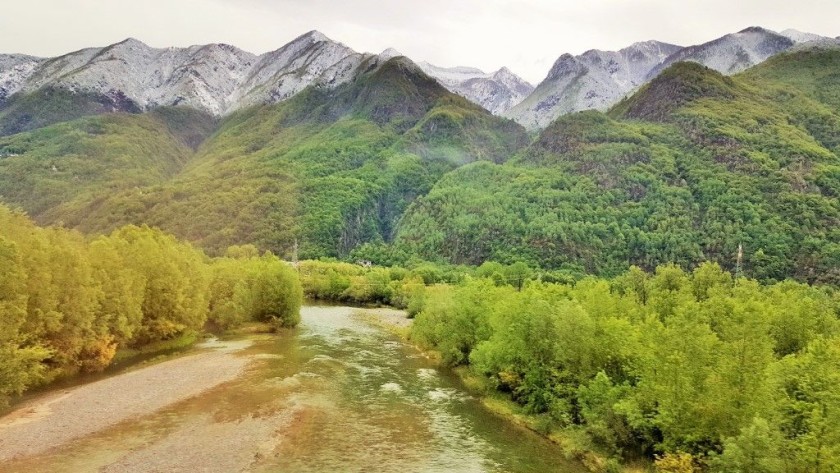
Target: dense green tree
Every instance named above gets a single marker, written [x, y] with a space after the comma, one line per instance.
[696, 370]
[67, 304]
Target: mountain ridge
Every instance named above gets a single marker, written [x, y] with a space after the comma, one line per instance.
[497, 91]
[215, 78]
[220, 79]
[595, 80]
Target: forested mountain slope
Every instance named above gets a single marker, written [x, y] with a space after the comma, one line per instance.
[689, 168]
[332, 167]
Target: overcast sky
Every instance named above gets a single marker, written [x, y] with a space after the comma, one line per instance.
[527, 35]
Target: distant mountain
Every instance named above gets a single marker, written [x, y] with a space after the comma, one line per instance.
[592, 80]
[203, 77]
[214, 78]
[598, 79]
[731, 53]
[280, 74]
[219, 79]
[15, 69]
[690, 168]
[497, 92]
[333, 165]
[801, 37]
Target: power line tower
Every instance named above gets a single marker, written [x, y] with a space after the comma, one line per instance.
[739, 261]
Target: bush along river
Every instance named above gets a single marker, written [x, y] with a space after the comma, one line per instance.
[336, 394]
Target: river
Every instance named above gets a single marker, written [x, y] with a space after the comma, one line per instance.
[334, 395]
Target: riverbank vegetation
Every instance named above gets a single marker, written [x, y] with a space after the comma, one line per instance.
[696, 371]
[68, 304]
[404, 288]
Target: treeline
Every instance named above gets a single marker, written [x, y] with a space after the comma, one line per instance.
[697, 371]
[405, 288]
[67, 303]
[694, 167]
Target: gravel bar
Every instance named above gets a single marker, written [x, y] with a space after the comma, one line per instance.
[58, 418]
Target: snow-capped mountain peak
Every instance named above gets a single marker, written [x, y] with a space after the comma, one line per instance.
[593, 80]
[131, 43]
[15, 70]
[220, 78]
[731, 53]
[313, 35]
[497, 91]
[389, 53]
[799, 37]
[217, 78]
[599, 79]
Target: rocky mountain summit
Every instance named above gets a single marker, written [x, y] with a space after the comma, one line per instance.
[592, 80]
[215, 78]
[600, 79]
[219, 79]
[498, 91]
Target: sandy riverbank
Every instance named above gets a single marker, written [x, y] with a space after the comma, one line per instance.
[393, 320]
[55, 419]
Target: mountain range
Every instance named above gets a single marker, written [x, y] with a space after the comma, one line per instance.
[375, 156]
[220, 79]
[597, 80]
[498, 92]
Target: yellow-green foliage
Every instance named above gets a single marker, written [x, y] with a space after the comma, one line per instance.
[676, 463]
[718, 163]
[345, 282]
[700, 368]
[67, 303]
[52, 171]
[330, 168]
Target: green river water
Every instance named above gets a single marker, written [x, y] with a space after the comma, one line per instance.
[334, 395]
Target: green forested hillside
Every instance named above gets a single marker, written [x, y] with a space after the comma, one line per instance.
[47, 106]
[689, 168]
[698, 371]
[49, 170]
[68, 303]
[331, 168]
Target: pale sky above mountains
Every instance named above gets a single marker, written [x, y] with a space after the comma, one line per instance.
[526, 35]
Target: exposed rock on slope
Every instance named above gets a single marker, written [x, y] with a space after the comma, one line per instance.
[216, 78]
[497, 92]
[732, 53]
[598, 79]
[593, 80]
[15, 69]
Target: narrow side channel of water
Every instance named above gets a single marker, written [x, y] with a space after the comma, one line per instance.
[334, 395]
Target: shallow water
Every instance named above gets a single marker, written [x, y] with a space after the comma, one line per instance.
[333, 395]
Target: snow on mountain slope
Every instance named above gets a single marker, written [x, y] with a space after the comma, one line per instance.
[203, 77]
[219, 78]
[598, 79]
[283, 73]
[496, 92]
[15, 69]
[216, 78]
[731, 53]
[802, 37]
[592, 80]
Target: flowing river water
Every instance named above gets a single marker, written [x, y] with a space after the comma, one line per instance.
[334, 395]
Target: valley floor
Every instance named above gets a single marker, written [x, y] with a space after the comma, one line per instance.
[57, 419]
[338, 393]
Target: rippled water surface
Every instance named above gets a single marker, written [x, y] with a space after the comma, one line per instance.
[333, 395]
